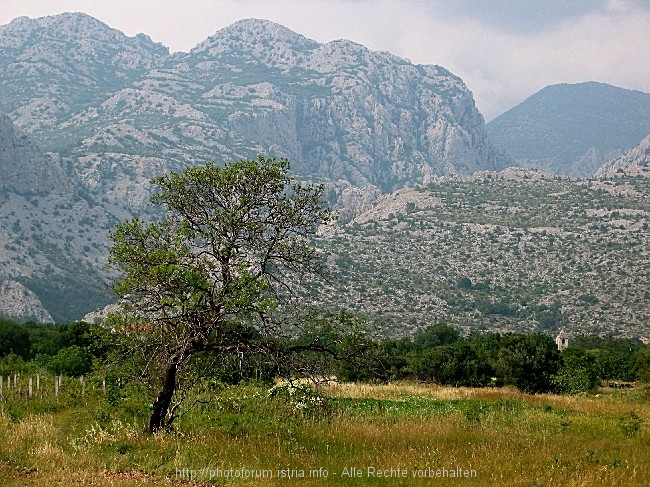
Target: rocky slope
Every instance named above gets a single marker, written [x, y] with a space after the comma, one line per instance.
[52, 238]
[52, 66]
[635, 162]
[572, 129]
[540, 252]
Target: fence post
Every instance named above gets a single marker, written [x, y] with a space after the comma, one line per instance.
[15, 380]
[38, 382]
[29, 390]
[56, 386]
[0, 386]
[83, 385]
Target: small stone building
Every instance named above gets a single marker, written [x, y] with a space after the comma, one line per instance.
[562, 340]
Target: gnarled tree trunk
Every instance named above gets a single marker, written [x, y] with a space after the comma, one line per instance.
[157, 421]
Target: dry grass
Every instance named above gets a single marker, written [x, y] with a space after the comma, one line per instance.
[506, 437]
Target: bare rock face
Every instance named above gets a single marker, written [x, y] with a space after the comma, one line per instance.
[341, 111]
[21, 303]
[635, 162]
[52, 65]
[23, 168]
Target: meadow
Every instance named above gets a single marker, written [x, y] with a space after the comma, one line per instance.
[401, 433]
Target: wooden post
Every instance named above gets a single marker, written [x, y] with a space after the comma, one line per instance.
[83, 385]
[104, 383]
[0, 386]
[29, 390]
[38, 382]
[15, 380]
[56, 386]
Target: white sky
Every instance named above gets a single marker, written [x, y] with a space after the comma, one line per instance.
[504, 50]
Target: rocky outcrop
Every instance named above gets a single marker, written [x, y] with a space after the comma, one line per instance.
[635, 162]
[19, 302]
[23, 167]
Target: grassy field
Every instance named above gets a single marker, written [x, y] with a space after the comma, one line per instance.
[396, 434]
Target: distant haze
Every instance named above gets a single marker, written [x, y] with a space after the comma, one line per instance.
[504, 50]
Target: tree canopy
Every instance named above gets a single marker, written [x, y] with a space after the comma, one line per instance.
[229, 254]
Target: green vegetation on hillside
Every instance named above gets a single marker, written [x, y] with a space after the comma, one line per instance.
[498, 253]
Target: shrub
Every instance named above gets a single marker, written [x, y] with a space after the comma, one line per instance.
[576, 374]
[71, 361]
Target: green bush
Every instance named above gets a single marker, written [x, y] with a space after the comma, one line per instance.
[72, 361]
[576, 374]
[13, 339]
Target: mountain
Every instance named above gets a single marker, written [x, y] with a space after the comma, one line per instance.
[634, 162]
[52, 66]
[92, 115]
[338, 111]
[572, 129]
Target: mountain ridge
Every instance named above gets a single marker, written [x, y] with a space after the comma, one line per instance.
[363, 122]
[572, 129]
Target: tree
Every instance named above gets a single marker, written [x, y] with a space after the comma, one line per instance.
[527, 361]
[13, 339]
[72, 361]
[643, 365]
[577, 372]
[457, 364]
[437, 335]
[215, 273]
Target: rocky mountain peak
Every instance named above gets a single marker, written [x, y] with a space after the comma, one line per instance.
[262, 39]
[75, 29]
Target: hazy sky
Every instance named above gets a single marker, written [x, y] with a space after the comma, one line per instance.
[504, 50]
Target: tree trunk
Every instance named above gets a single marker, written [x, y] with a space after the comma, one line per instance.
[164, 399]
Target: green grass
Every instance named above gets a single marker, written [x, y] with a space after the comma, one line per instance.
[506, 437]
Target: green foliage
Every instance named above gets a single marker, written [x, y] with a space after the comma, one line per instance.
[376, 361]
[14, 339]
[229, 235]
[72, 361]
[630, 424]
[528, 361]
[458, 365]
[615, 358]
[643, 365]
[14, 364]
[577, 372]
[436, 335]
